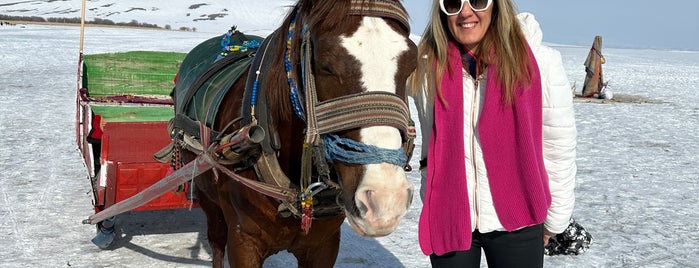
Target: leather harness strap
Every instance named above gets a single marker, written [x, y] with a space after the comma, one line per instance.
[382, 9]
[364, 109]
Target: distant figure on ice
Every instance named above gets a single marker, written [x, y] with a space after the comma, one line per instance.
[594, 79]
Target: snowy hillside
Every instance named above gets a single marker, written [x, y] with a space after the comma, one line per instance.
[205, 15]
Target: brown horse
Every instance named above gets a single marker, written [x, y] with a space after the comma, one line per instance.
[337, 50]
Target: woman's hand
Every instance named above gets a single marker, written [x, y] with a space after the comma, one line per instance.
[547, 235]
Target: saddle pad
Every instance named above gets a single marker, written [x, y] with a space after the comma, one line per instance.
[204, 78]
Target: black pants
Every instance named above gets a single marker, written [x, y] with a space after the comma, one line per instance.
[521, 248]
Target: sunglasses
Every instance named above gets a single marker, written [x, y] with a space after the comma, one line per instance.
[453, 7]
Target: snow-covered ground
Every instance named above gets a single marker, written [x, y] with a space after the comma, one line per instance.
[637, 182]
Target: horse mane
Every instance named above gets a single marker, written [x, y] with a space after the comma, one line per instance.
[317, 16]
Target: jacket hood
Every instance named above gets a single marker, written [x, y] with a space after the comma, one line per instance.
[532, 30]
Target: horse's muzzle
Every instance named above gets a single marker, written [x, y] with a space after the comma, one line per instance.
[382, 199]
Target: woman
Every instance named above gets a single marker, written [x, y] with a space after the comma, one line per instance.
[498, 136]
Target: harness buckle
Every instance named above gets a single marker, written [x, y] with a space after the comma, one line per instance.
[313, 190]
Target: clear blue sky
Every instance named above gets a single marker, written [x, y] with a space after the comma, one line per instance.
[621, 23]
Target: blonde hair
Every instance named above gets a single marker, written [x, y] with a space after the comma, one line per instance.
[503, 44]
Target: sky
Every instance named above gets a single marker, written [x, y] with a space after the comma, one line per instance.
[622, 24]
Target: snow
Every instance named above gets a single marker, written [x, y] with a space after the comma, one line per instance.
[204, 16]
[636, 186]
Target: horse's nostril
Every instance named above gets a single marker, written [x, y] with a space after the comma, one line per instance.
[365, 203]
[362, 208]
[410, 198]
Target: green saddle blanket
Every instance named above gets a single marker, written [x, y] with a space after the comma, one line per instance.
[205, 77]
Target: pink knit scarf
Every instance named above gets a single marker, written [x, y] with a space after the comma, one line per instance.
[510, 137]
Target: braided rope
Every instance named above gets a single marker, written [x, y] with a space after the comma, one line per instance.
[353, 152]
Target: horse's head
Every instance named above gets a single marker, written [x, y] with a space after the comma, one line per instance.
[354, 48]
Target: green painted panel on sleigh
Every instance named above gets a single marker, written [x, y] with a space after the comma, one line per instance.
[134, 114]
[131, 73]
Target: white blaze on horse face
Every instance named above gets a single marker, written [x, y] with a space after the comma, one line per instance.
[377, 47]
[384, 195]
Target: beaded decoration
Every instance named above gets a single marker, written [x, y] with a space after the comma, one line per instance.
[226, 46]
[293, 88]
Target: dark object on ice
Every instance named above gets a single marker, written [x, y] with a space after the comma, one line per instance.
[594, 78]
[105, 234]
[573, 241]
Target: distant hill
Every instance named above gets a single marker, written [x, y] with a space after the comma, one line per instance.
[204, 16]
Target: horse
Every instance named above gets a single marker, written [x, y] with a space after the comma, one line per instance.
[326, 94]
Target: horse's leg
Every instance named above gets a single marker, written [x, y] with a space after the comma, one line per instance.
[245, 247]
[216, 232]
[244, 250]
[320, 249]
[249, 217]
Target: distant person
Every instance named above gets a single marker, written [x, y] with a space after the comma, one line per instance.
[498, 136]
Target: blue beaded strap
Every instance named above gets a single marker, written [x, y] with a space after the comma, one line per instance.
[253, 99]
[245, 45]
[293, 88]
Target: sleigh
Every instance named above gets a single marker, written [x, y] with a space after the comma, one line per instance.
[123, 109]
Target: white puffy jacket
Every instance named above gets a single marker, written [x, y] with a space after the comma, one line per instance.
[559, 137]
